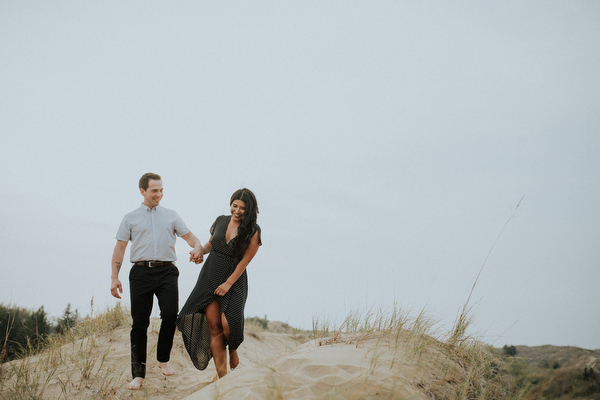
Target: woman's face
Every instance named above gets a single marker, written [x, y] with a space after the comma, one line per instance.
[238, 208]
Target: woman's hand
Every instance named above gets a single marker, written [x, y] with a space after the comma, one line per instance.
[196, 256]
[223, 289]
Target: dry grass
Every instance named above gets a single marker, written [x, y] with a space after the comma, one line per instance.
[91, 361]
[445, 366]
[453, 366]
[449, 366]
[410, 348]
[74, 360]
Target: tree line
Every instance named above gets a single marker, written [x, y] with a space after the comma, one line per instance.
[24, 331]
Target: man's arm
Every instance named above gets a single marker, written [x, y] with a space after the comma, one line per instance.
[117, 261]
[197, 254]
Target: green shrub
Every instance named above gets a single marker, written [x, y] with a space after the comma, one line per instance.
[68, 320]
[510, 350]
[22, 331]
[261, 323]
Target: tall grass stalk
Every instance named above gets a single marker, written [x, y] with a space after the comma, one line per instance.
[443, 370]
[464, 318]
[466, 367]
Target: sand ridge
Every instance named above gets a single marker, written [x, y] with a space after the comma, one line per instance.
[100, 367]
[339, 369]
[273, 365]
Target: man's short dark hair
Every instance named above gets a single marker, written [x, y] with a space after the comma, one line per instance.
[146, 178]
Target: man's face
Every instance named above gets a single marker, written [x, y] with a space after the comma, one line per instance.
[153, 194]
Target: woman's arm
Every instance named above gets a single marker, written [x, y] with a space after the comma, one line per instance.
[196, 255]
[241, 267]
[207, 246]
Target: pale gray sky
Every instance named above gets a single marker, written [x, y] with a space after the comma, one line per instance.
[388, 142]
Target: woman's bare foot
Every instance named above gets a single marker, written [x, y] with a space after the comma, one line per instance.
[166, 368]
[234, 359]
[135, 384]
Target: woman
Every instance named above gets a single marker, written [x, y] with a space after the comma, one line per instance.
[213, 316]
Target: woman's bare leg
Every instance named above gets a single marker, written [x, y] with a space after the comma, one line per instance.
[234, 359]
[217, 338]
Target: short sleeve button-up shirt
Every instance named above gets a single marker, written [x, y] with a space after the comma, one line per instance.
[152, 232]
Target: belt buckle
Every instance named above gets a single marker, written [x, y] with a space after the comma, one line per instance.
[152, 266]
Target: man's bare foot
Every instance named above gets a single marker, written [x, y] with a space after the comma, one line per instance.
[166, 368]
[135, 384]
[234, 359]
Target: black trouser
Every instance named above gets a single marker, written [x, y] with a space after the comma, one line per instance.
[144, 283]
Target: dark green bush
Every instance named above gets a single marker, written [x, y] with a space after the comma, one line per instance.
[68, 320]
[510, 350]
[22, 331]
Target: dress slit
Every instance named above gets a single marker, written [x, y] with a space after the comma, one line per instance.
[192, 322]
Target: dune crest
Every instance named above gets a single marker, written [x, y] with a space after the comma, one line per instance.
[313, 371]
[378, 356]
[98, 367]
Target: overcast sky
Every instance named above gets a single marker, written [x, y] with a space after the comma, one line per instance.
[388, 144]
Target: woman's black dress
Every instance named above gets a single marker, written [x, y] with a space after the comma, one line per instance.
[219, 265]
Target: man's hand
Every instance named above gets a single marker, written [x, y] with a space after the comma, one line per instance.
[197, 255]
[116, 288]
[117, 260]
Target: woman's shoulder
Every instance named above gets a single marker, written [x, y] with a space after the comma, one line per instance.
[222, 218]
[220, 221]
[257, 230]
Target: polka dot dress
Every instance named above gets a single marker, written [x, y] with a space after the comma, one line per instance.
[192, 322]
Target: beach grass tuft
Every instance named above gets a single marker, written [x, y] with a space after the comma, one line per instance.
[72, 360]
[450, 365]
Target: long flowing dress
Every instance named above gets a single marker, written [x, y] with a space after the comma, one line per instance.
[219, 265]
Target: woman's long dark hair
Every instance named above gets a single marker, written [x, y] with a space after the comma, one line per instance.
[247, 226]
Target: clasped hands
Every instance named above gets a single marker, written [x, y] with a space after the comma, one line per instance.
[197, 256]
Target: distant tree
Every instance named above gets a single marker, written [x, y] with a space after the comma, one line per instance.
[589, 374]
[510, 350]
[22, 331]
[68, 319]
[39, 328]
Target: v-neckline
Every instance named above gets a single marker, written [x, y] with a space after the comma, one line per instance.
[226, 229]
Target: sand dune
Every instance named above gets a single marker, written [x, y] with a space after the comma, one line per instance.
[99, 367]
[375, 356]
[321, 369]
[373, 364]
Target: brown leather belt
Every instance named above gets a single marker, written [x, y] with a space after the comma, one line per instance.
[152, 264]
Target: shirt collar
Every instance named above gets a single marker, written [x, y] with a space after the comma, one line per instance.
[148, 209]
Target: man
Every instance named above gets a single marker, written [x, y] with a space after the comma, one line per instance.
[152, 230]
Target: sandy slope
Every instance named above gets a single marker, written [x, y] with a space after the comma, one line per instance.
[276, 364]
[82, 370]
[337, 368]
[273, 365]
